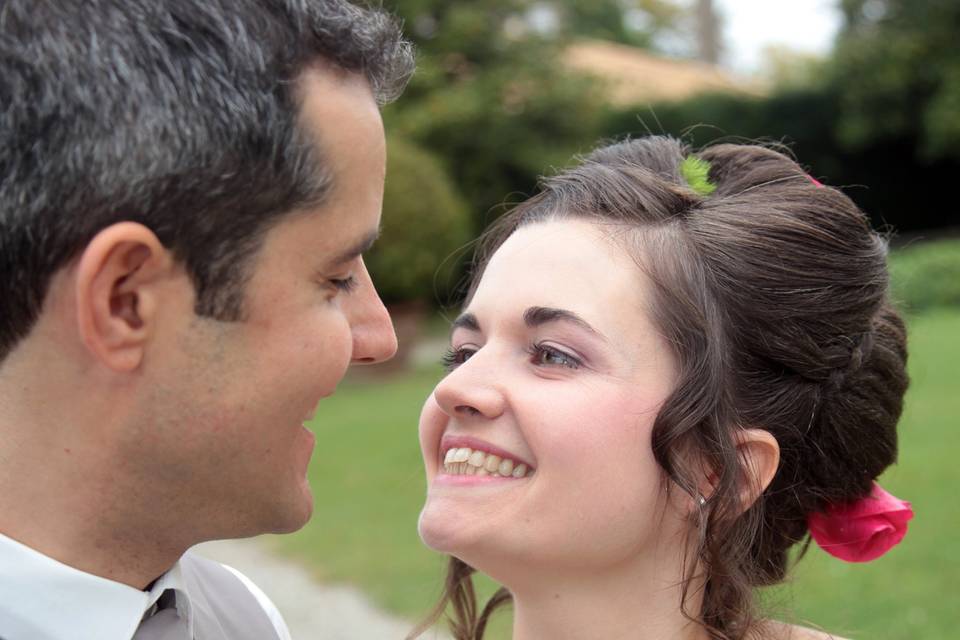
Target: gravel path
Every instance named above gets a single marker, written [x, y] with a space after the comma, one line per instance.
[312, 611]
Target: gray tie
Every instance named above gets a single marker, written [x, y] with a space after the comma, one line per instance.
[165, 624]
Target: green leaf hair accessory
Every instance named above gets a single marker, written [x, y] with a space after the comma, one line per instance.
[696, 172]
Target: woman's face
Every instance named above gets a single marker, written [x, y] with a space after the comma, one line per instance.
[556, 367]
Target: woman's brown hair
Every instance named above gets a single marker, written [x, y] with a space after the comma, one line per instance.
[773, 293]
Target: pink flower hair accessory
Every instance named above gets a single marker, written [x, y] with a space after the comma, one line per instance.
[864, 530]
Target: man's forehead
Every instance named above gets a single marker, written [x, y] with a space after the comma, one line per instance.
[357, 248]
[334, 103]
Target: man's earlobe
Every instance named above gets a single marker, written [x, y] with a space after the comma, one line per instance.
[117, 294]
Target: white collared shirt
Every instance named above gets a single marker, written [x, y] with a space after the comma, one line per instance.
[43, 599]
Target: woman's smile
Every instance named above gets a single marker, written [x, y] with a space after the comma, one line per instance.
[466, 457]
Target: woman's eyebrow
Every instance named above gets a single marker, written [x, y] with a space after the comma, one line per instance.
[466, 321]
[536, 316]
[532, 317]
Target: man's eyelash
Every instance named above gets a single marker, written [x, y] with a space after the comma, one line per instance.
[345, 284]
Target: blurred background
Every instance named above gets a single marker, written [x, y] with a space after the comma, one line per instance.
[866, 94]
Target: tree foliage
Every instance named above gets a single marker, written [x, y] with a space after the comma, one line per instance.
[491, 108]
[897, 66]
[640, 23]
[491, 96]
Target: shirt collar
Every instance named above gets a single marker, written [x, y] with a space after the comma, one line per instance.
[173, 579]
[46, 599]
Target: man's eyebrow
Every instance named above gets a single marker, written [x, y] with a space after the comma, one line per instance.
[536, 316]
[466, 321]
[357, 249]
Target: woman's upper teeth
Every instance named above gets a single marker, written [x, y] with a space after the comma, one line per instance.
[467, 461]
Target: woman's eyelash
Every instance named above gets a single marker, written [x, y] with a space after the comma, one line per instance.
[453, 358]
[542, 355]
[552, 357]
[345, 284]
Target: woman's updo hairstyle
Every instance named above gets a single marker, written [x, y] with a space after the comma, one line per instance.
[773, 292]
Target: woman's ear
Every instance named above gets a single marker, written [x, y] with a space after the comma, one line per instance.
[759, 454]
[117, 287]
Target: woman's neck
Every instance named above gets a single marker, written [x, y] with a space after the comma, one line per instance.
[622, 602]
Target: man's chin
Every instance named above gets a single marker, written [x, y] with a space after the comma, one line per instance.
[277, 509]
[296, 515]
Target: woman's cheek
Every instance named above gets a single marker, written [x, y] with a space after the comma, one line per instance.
[432, 422]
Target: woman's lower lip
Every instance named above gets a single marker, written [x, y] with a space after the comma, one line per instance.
[467, 480]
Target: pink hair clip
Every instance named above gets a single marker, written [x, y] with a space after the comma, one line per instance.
[863, 530]
[815, 181]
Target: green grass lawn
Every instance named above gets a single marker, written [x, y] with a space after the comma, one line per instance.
[367, 480]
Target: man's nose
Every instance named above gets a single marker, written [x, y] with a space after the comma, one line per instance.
[374, 339]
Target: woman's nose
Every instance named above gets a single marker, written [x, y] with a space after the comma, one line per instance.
[471, 390]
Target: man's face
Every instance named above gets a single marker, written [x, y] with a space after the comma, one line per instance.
[229, 399]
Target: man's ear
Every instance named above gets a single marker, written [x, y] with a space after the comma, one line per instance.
[117, 285]
[759, 454]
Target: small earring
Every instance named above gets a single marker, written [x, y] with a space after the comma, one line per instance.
[701, 501]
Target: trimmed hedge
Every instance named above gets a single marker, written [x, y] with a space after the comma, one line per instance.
[890, 178]
[927, 275]
[424, 222]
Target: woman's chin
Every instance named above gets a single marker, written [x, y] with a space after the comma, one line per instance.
[440, 533]
[448, 531]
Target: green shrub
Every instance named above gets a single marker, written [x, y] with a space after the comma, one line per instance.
[927, 275]
[424, 222]
[887, 178]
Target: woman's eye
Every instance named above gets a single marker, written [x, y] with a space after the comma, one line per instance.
[454, 357]
[548, 356]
